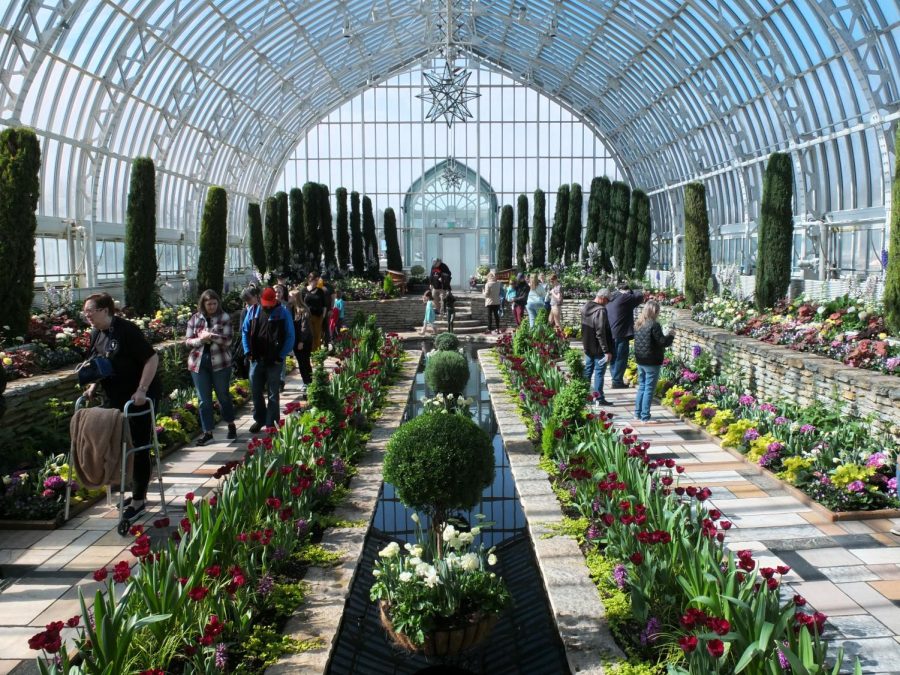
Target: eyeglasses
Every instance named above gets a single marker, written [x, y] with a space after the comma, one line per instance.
[89, 312]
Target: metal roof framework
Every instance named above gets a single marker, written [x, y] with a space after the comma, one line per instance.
[221, 91]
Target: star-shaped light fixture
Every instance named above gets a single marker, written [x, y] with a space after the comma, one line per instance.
[448, 94]
[451, 177]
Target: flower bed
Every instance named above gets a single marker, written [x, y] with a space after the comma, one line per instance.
[213, 595]
[675, 597]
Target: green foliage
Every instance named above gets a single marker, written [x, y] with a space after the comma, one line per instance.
[521, 338]
[568, 404]
[548, 438]
[776, 231]
[273, 255]
[619, 196]
[370, 238]
[560, 221]
[539, 231]
[446, 342]
[319, 394]
[439, 462]
[140, 239]
[266, 645]
[394, 261]
[343, 234]
[592, 225]
[416, 271]
[213, 241]
[697, 256]
[257, 243]
[284, 241]
[573, 228]
[642, 249]
[298, 228]
[521, 231]
[575, 362]
[605, 234]
[447, 372]
[388, 286]
[504, 243]
[315, 555]
[358, 257]
[326, 235]
[311, 215]
[631, 231]
[892, 278]
[568, 526]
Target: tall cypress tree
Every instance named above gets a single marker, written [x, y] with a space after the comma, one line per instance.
[140, 238]
[358, 255]
[521, 231]
[504, 243]
[892, 278]
[573, 227]
[593, 217]
[273, 251]
[370, 237]
[619, 197]
[343, 235]
[631, 233]
[284, 237]
[311, 220]
[298, 228]
[213, 240]
[391, 241]
[776, 231]
[697, 256]
[326, 234]
[605, 235]
[20, 165]
[539, 231]
[257, 244]
[560, 221]
[642, 250]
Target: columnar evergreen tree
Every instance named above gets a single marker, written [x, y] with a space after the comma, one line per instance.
[140, 238]
[284, 237]
[620, 194]
[560, 221]
[539, 231]
[776, 231]
[273, 254]
[892, 278]
[257, 244]
[370, 237]
[521, 231]
[573, 227]
[593, 217]
[311, 217]
[605, 235]
[697, 256]
[298, 228]
[213, 241]
[326, 234]
[642, 250]
[391, 241]
[343, 235]
[20, 165]
[631, 233]
[504, 243]
[358, 255]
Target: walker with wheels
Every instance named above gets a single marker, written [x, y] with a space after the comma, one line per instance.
[124, 523]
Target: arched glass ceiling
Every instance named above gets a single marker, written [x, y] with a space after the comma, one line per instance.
[220, 91]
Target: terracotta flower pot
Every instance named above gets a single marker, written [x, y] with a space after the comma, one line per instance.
[442, 642]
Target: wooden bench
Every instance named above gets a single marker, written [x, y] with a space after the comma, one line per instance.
[399, 279]
[506, 275]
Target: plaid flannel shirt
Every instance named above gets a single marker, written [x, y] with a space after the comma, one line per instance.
[219, 348]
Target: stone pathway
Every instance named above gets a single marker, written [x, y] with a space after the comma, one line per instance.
[849, 570]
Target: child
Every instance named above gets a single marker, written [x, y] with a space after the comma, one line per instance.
[336, 320]
[450, 304]
[509, 297]
[429, 314]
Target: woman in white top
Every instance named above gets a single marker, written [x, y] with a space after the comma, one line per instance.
[536, 297]
[555, 302]
[491, 295]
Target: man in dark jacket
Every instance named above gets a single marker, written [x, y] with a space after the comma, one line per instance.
[621, 319]
[439, 279]
[521, 299]
[598, 342]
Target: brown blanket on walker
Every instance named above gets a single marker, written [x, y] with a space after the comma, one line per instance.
[97, 435]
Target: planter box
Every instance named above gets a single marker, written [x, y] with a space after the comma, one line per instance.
[50, 524]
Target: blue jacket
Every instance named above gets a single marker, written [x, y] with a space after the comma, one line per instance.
[620, 312]
[278, 313]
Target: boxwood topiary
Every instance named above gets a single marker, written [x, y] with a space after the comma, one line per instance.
[446, 342]
[569, 403]
[447, 372]
[438, 463]
[575, 363]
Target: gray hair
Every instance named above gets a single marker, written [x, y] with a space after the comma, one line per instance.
[602, 293]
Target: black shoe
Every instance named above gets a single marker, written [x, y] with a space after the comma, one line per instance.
[619, 386]
[255, 427]
[232, 432]
[204, 439]
[282, 386]
[131, 512]
[603, 401]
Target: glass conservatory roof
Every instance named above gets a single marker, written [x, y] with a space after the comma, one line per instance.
[220, 91]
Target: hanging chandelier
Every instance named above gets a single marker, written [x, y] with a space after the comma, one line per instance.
[451, 177]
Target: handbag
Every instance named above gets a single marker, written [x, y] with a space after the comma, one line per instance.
[93, 370]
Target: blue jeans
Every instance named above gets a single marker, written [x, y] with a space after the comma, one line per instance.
[204, 382]
[533, 310]
[647, 378]
[596, 366]
[617, 369]
[265, 383]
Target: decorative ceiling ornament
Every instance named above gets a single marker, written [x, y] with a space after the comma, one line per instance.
[451, 177]
[448, 94]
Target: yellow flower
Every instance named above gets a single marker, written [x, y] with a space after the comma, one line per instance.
[882, 336]
[7, 361]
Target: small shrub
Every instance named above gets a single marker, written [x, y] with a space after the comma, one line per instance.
[319, 394]
[446, 342]
[388, 286]
[520, 338]
[568, 404]
[575, 363]
[447, 372]
[417, 271]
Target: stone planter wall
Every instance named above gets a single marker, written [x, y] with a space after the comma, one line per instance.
[774, 372]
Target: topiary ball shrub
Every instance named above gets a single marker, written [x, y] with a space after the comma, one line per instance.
[569, 403]
[447, 373]
[446, 342]
[438, 463]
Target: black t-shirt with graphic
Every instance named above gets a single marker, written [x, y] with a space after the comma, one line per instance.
[128, 350]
